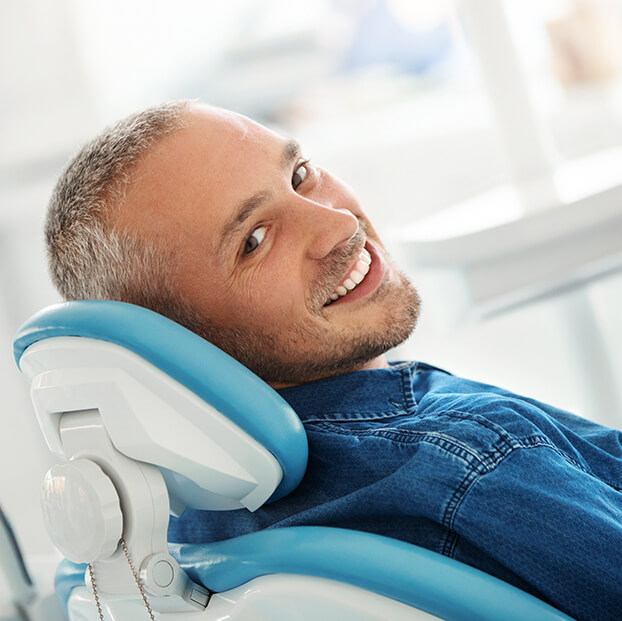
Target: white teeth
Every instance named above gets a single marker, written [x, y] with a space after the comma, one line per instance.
[356, 276]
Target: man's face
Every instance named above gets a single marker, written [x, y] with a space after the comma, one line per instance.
[273, 250]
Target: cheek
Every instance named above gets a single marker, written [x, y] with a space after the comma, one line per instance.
[269, 293]
[261, 298]
[214, 296]
[278, 293]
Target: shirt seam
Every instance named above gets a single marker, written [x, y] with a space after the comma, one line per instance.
[407, 387]
[404, 407]
[528, 441]
[474, 473]
[408, 436]
[487, 461]
[504, 445]
[349, 417]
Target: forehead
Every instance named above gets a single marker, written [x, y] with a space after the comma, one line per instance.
[218, 135]
[200, 173]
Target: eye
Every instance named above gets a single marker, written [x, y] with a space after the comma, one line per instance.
[254, 239]
[300, 174]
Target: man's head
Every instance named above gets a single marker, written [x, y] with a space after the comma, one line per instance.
[234, 235]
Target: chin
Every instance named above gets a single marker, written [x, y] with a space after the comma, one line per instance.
[312, 354]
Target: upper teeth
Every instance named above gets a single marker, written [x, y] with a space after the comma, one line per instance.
[355, 277]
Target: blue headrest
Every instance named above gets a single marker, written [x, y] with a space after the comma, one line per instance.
[201, 367]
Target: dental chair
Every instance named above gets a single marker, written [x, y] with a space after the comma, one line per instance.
[148, 419]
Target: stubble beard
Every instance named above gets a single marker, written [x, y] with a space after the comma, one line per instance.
[308, 352]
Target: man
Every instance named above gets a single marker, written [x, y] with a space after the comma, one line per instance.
[211, 219]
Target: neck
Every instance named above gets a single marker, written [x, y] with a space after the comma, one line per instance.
[376, 363]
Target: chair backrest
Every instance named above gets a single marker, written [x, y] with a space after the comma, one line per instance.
[204, 401]
[145, 410]
[151, 419]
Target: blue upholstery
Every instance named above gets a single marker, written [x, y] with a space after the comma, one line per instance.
[401, 571]
[68, 576]
[404, 572]
[201, 367]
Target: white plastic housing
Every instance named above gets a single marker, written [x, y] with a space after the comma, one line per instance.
[81, 510]
[152, 418]
[278, 597]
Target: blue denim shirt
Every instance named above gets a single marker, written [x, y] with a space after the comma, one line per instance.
[514, 487]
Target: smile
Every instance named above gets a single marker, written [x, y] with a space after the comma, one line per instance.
[353, 278]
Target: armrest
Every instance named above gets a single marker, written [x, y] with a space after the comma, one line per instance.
[406, 573]
[401, 571]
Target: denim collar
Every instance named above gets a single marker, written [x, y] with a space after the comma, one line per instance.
[377, 393]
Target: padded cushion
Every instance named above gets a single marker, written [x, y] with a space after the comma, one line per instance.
[201, 367]
[417, 577]
[401, 571]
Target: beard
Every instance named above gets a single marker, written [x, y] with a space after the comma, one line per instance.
[313, 350]
[306, 352]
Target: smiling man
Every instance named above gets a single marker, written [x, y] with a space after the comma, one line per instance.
[272, 249]
[213, 220]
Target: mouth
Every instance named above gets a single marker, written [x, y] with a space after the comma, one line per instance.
[362, 277]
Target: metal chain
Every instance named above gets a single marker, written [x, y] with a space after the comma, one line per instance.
[138, 583]
[94, 587]
[137, 580]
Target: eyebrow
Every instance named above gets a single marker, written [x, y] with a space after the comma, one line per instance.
[291, 152]
[247, 207]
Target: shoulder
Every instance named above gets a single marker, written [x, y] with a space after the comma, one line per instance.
[463, 405]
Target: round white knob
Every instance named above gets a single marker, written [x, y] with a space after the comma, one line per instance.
[82, 511]
[163, 573]
[160, 574]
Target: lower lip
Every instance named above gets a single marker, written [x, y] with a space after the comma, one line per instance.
[369, 283]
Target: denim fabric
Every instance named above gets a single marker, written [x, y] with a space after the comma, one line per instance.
[514, 487]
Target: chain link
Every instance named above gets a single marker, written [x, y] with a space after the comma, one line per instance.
[94, 587]
[138, 583]
[136, 579]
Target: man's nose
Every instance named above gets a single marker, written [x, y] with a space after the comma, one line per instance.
[325, 226]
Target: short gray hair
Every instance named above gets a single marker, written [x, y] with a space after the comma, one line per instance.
[88, 258]
[91, 259]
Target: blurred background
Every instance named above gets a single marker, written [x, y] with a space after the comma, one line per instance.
[483, 137]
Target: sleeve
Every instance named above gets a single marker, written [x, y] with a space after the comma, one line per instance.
[555, 525]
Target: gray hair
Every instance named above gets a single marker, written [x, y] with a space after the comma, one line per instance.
[88, 258]
[91, 259]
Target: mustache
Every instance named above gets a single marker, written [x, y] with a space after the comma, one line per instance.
[333, 267]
